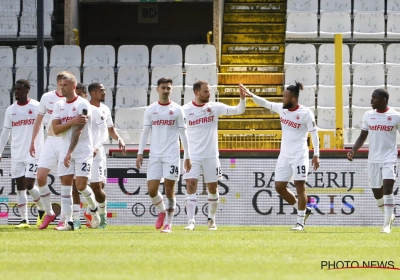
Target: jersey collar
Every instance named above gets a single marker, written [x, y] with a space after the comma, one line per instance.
[384, 111]
[164, 104]
[23, 104]
[197, 105]
[295, 108]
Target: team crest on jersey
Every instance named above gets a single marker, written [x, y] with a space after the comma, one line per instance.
[73, 109]
[208, 110]
[297, 117]
[389, 118]
[30, 112]
[170, 112]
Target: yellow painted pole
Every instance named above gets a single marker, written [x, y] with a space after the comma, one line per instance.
[339, 90]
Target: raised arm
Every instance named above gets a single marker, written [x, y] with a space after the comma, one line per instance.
[258, 100]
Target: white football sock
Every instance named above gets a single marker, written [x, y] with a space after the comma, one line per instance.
[88, 194]
[102, 207]
[389, 207]
[45, 196]
[380, 203]
[171, 202]
[22, 201]
[213, 200]
[300, 216]
[66, 202]
[191, 202]
[34, 192]
[76, 212]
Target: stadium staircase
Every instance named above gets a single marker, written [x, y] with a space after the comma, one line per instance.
[253, 44]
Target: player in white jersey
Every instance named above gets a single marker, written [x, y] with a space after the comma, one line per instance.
[48, 158]
[76, 151]
[381, 125]
[202, 128]
[19, 120]
[296, 121]
[165, 121]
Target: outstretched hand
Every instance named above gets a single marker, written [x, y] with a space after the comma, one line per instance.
[244, 91]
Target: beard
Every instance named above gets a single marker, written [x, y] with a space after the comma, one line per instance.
[287, 106]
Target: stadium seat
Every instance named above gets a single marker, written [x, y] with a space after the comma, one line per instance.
[357, 113]
[326, 55]
[30, 74]
[65, 55]
[394, 95]
[130, 97]
[369, 6]
[335, 23]
[29, 26]
[301, 25]
[176, 95]
[6, 57]
[10, 7]
[133, 55]
[307, 97]
[302, 6]
[26, 56]
[327, 76]
[369, 26]
[367, 54]
[132, 118]
[200, 55]
[29, 6]
[326, 117]
[103, 75]
[131, 136]
[2, 116]
[392, 7]
[393, 76]
[372, 76]
[6, 78]
[99, 56]
[335, 6]
[166, 55]
[304, 74]
[8, 26]
[55, 70]
[393, 26]
[361, 96]
[206, 73]
[137, 76]
[326, 96]
[300, 55]
[172, 72]
[4, 98]
[188, 94]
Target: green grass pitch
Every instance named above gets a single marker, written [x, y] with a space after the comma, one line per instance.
[141, 252]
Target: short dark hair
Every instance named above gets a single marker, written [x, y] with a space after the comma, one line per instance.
[164, 80]
[197, 85]
[82, 87]
[24, 83]
[295, 89]
[382, 93]
[93, 86]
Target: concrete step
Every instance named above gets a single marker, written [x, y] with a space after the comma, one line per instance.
[243, 124]
[253, 113]
[255, 1]
[252, 48]
[253, 59]
[254, 28]
[253, 38]
[255, 8]
[260, 90]
[255, 17]
[250, 104]
[250, 78]
[251, 68]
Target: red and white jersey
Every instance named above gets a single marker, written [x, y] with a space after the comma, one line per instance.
[101, 121]
[20, 119]
[382, 128]
[202, 128]
[165, 120]
[66, 111]
[296, 124]
[46, 107]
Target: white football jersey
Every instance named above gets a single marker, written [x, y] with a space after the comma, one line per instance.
[101, 121]
[202, 128]
[66, 111]
[20, 119]
[296, 124]
[46, 107]
[382, 128]
[164, 121]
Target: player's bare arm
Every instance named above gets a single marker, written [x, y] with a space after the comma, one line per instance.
[358, 144]
[35, 132]
[114, 135]
[74, 141]
[139, 161]
[59, 127]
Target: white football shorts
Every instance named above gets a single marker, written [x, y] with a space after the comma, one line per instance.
[97, 171]
[288, 169]
[78, 167]
[24, 168]
[377, 172]
[49, 157]
[209, 167]
[164, 167]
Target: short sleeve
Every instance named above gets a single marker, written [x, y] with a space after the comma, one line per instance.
[311, 126]
[85, 106]
[181, 118]
[147, 117]
[109, 120]
[364, 125]
[42, 105]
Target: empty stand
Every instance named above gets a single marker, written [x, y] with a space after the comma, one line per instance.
[99, 56]
[2, 116]
[128, 119]
[206, 73]
[10, 7]
[394, 95]
[326, 96]
[393, 76]
[30, 74]
[176, 95]
[307, 97]
[133, 77]
[27, 56]
[303, 6]
[367, 54]
[133, 55]
[301, 25]
[6, 57]
[65, 55]
[326, 55]
[300, 55]
[130, 97]
[361, 96]
[393, 26]
[103, 75]
[304, 74]
[335, 6]
[326, 117]
[29, 26]
[8, 26]
[29, 6]
[335, 23]
[55, 70]
[369, 6]
[166, 55]
[172, 72]
[369, 26]
[200, 55]
[392, 7]
[327, 76]
[4, 98]
[373, 76]
[6, 78]
[357, 113]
